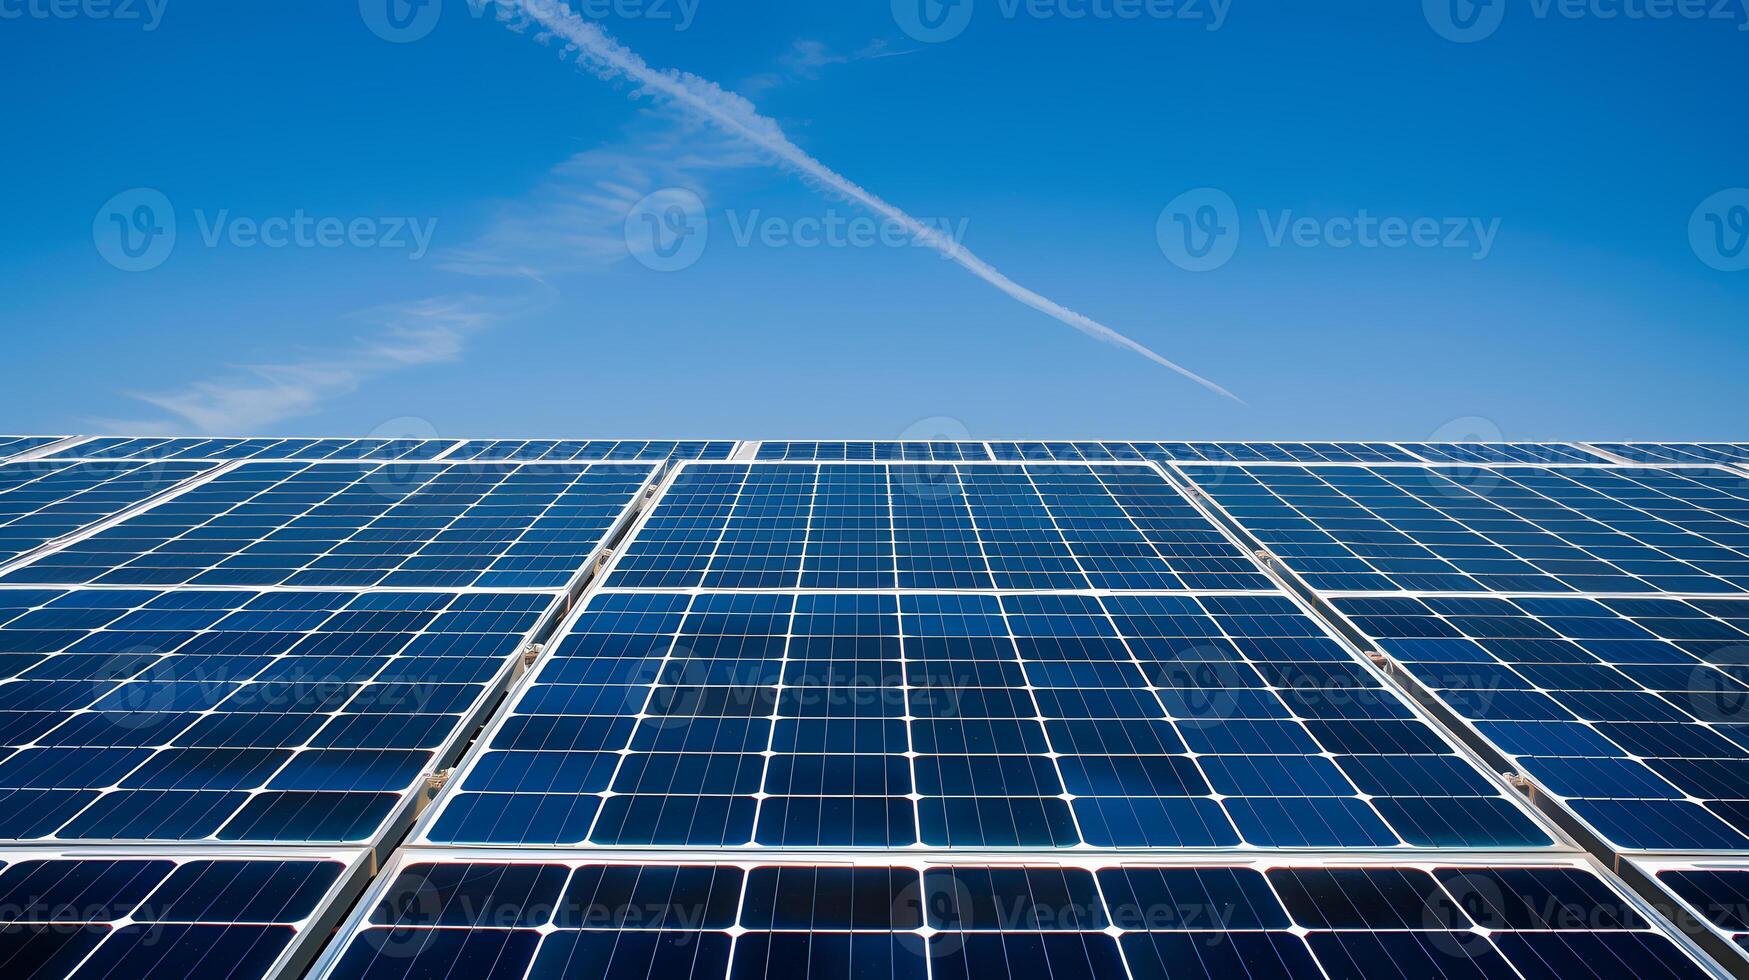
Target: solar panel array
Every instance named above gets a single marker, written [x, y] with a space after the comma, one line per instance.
[854, 720]
[1678, 452]
[237, 716]
[1501, 529]
[358, 525]
[902, 708]
[1633, 712]
[582, 450]
[946, 526]
[11, 446]
[42, 501]
[158, 917]
[574, 918]
[1186, 452]
[117, 447]
[231, 674]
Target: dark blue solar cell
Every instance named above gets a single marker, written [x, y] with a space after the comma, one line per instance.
[835, 821]
[1365, 898]
[1405, 955]
[395, 954]
[1538, 898]
[1560, 955]
[1025, 956]
[1152, 899]
[1308, 822]
[1464, 821]
[154, 815]
[171, 952]
[1154, 822]
[472, 895]
[995, 822]
[48, 950]
[718, 821]
[241, 891]
[500, 818]
[650, 897]
[826, 899]
[77, 891]
[1012, 899]
[633, 955]
[304, 816]
[1218, 956]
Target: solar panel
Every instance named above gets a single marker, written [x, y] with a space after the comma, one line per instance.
[1711, 894]
[119, 447]
[909, 921]
[361, 525]
[11, 446]
[1502, 529]
[892, 451]
[1678, 452]
[929, 526]
[1202, 452]
[1503, 452]
[42, 501]
[235, 715]
[163, 916]
[964, 721]
[1633, 712]
[587, 450]
[1064, 452]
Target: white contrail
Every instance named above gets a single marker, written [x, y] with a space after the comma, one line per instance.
[611, 59]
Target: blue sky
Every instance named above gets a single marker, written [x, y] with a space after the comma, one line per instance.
[477, 254]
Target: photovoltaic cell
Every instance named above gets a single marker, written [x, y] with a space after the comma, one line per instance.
[41, 501]
[11, 446]
[570, 919]
[945, 526]
[359, 525]
[158, 917]
[237, 716]
[1634, 712]
[1502, 452]
[1714, 894]
[1504, 529]
[588, 450]
[1678, 452]
[229, 449]
[1202, 452]
[964, 721]
[928, 452]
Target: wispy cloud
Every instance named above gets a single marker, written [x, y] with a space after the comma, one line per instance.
[575, 220]
[732, 113]
[249, 397]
